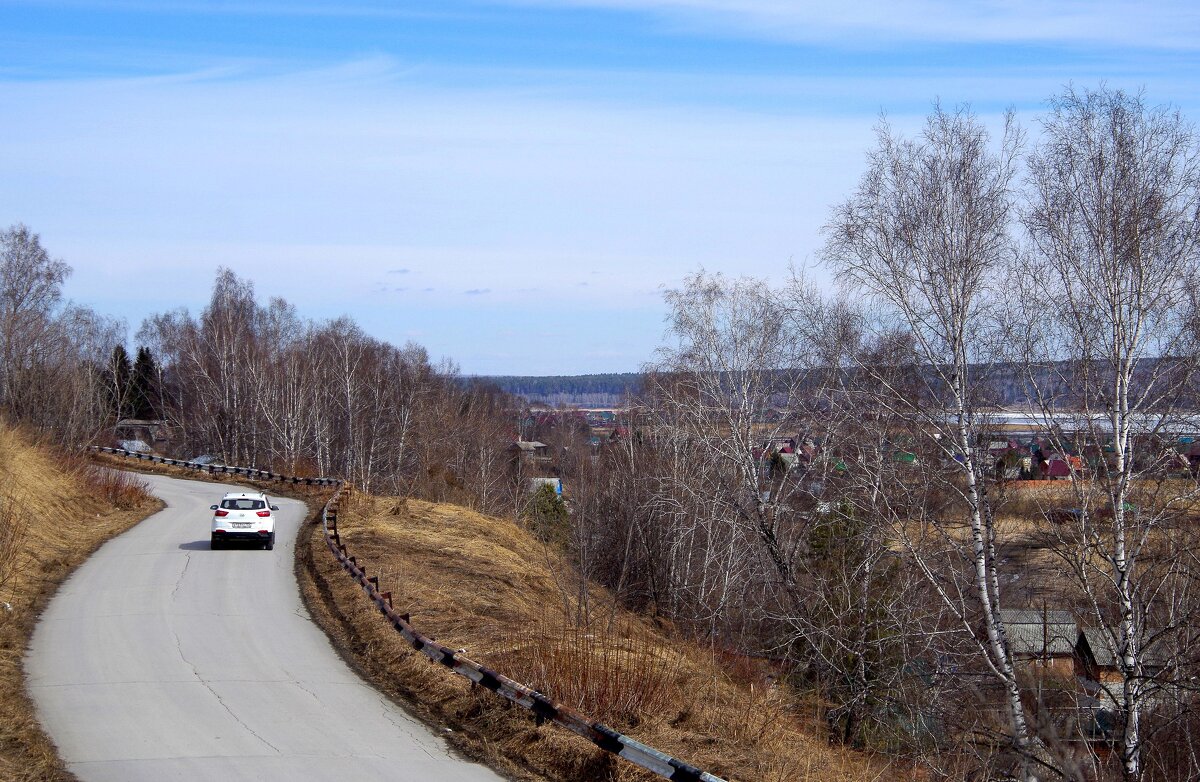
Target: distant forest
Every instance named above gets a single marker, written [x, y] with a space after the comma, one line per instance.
[1003, 384]
[606, 390]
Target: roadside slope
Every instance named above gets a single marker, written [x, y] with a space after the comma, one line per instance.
[54, 511]
[489, 586]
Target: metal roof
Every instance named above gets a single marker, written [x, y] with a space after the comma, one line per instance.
[1035, 632]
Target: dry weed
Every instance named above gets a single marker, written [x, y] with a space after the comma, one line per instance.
[616, 679]
[121, 490]
[12, 528]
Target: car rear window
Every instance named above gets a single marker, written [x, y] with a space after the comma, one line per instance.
[243, 504]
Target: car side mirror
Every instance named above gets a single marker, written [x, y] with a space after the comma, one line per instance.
[274, 507]
[212, 507]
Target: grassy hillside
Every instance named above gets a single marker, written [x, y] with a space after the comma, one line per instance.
[514, 604]
[54, 511]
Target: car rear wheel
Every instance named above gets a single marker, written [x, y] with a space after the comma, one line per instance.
[270, 544]
[214, 544]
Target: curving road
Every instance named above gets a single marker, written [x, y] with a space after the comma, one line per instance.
[160, 659]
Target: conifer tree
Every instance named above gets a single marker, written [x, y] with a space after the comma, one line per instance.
[143, 393]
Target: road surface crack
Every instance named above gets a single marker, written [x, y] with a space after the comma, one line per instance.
[305, 689]
[405, 729]
[187, 562]
[215, 694]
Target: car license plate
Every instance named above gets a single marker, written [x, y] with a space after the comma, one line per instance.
[241, 525]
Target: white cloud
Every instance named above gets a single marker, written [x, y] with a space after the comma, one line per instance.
[1173, 23]
[866, 23]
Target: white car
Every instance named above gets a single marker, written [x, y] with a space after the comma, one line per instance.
[244, 515]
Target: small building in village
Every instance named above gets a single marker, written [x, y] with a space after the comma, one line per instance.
[530, 450]
[1042, 637]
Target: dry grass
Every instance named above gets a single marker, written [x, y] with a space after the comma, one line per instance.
[615, 675]
[12, 534]
[1034, 532]
[487, 585]
[57, 510]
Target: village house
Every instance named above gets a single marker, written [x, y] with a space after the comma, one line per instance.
[530, 451]
[142, 435]
[1098, 661]
[1043, 638]
[1100, 666]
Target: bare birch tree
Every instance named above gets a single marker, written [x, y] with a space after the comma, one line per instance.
[738, 372]
[863, 610]
[51, 352]
[925, 236]
[30, 292]
[1114, 221]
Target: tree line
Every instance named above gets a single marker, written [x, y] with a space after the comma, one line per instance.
[250, 382]
[254, 383]
[52, 352]
[606, 389]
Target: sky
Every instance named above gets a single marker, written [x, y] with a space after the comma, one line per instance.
[511, 183]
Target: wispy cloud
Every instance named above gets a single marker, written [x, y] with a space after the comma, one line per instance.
[1163, 23]
[364, 9]
[477, 291]
[398, 271]
[1167, 23]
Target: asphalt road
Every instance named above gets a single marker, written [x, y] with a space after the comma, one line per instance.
[160, 659]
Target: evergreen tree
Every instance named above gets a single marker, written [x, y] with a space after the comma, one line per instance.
[547, 514]
[143, 392]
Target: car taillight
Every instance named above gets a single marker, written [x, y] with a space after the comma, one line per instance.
[221, 513]
[264, 513]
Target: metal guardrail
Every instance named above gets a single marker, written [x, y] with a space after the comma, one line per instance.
[219, 469]
[543, 708]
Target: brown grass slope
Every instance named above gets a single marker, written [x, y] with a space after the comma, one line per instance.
[514, 604]
[54, 511]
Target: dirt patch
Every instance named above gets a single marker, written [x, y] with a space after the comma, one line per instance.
[56, 510]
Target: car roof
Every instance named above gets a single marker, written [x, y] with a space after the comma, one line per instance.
[233, 495]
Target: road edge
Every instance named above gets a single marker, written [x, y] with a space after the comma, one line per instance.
[331, 600]
[24, 744]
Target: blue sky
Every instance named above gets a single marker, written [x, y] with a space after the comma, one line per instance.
[510, 183]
